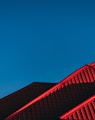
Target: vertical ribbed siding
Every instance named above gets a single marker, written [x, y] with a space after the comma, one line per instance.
[69, 94]
[90, 74]
[85, 111]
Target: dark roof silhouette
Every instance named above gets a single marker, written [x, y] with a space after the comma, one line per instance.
[16, 100]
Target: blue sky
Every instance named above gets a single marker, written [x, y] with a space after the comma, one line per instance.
[44, 41]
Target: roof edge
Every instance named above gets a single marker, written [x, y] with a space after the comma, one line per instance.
[78, 106]
[47, 92]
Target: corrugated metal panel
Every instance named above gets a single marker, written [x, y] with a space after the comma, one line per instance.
[84, 111]
[93, 64]
[13, 102]
[67, 94]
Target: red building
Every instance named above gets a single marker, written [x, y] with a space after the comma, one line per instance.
[84, 111]
[71, 99]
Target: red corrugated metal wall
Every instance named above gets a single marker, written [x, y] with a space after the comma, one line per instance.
[62, 97]
[85, 111]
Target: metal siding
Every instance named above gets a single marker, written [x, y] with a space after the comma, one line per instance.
[67, 94]
[83, 112]
[16, 100]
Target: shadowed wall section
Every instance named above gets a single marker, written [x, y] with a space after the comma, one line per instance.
[84, 111]
[13, 102]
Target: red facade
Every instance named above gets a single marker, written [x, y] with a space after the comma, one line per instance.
[84, 111]
[74, 93]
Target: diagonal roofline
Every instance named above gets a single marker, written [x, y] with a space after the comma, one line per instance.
[92, 64]
[77, 107]
[51, 90]
[20, 98]
[24, 88]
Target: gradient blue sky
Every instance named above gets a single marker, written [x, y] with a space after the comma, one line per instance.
[44, 40]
